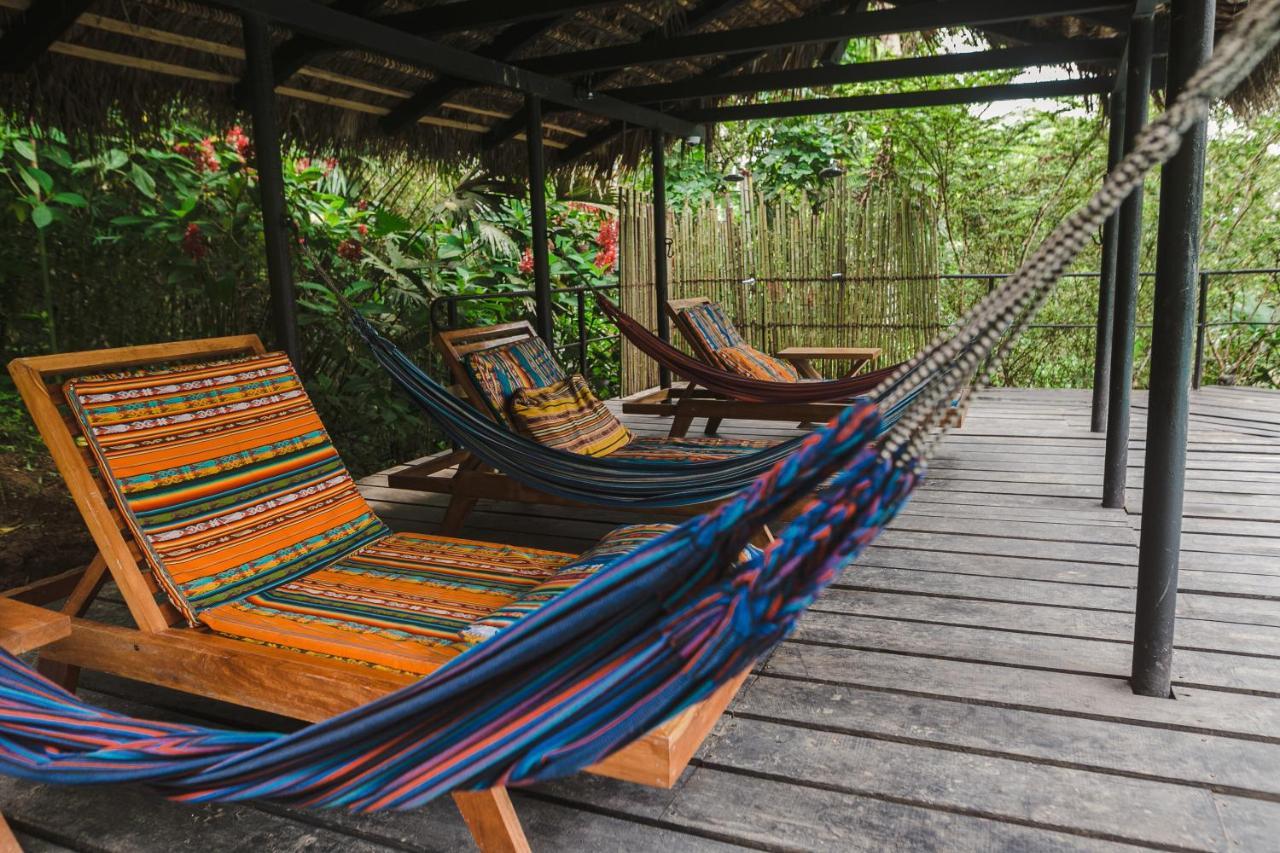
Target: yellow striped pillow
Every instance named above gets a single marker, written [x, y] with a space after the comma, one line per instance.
[568, 416]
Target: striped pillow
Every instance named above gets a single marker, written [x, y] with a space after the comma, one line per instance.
[566, 415]
[746, 360]
[709, 322]
[225, 475]
[502, 371]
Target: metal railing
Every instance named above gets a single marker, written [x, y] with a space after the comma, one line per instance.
[445, 309]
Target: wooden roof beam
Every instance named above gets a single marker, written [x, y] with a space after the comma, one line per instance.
[813, 29]
[478, 14]
[38, 28]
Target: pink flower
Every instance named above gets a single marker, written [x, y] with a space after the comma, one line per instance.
[302, 164]
[237, 139]
[352, 250]
[526, 261]
[362, 229]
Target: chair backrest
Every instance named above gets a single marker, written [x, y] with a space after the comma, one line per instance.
[490, 363]
[704, 325]
[203, 462]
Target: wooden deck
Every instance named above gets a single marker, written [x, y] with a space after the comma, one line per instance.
[961, 687]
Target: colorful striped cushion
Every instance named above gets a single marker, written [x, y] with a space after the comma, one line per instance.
[612, 545]
[501, 371]
[690, 449]
[568, 416]
[746, 360]
[712, 326]
[225, 475]
[402, 602]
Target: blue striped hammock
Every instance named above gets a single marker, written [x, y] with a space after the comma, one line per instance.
[657, 630]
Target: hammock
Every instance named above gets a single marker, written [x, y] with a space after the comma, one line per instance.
[648, 635]
[735, 385]
[592, 479]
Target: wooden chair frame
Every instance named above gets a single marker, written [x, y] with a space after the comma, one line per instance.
[162, 650]
[458, 473]
[684, 403]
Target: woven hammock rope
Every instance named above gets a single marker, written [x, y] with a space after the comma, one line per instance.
[644, 638]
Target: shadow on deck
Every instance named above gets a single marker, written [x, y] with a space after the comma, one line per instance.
[961, 687]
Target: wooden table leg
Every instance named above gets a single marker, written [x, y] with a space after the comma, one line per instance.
[8, 841]
[804, 368]
[492, 819]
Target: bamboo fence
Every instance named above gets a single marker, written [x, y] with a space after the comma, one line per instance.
[858, 267]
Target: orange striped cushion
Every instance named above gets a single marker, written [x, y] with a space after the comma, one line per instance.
[746, 360]
[568, 416]
[225, 475]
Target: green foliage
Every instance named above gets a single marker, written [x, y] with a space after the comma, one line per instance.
[161, 239]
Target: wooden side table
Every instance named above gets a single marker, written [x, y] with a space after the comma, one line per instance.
[23, 628]
[855, 356]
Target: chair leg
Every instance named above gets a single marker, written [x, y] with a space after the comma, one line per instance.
[455, 515]
[492, 819]
[713, 426]
[76, 605]
[8, 841]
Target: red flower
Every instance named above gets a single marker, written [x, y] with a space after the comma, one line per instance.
[236, 139]
[352, 250]
[302, 164]
[526, 261]
[607, 240]
[330, 165]
[362, 204]
[193, 243]
[363, 229]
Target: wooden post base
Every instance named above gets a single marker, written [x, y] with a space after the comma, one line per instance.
[492, 819]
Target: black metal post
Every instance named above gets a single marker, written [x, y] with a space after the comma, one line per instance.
[1107, 277]
[1128, 256]
[260, 90]
[538, 215]
[1177, 260]
[1202, 328]
[582, 332]
[660, 272]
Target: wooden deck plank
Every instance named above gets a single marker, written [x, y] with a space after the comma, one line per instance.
[961, 687]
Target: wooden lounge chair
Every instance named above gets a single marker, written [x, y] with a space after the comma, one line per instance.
[173, 597]
[685, 402]
[474, 356]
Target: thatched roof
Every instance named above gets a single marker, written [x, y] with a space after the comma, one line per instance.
[126, 60]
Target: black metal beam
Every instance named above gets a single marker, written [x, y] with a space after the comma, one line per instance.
[38, 27]
[352, 31]
[543, 321]
[1172, 333]
[293, 54]
[275, 217]
[677, 22]
[1100, 51]
[900, 100]
[1128, 256]
[1107, 276]
[431, 96]
[452, 17]
[810, 29]
[658, 152]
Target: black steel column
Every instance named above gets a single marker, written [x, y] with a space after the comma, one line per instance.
[538, 215]
[660, 273]
[1177, 260]
[1128, 256]
[1107, 274]
[260, 89]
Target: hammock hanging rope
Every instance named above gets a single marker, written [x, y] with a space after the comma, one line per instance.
[655, 631]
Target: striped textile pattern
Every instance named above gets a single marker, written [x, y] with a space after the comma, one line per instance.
[746, 360]
[690, 449]
[502, 371]
[616, 542]
[403, 602]
[712, 326]
[225, 475]
[567, 415]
